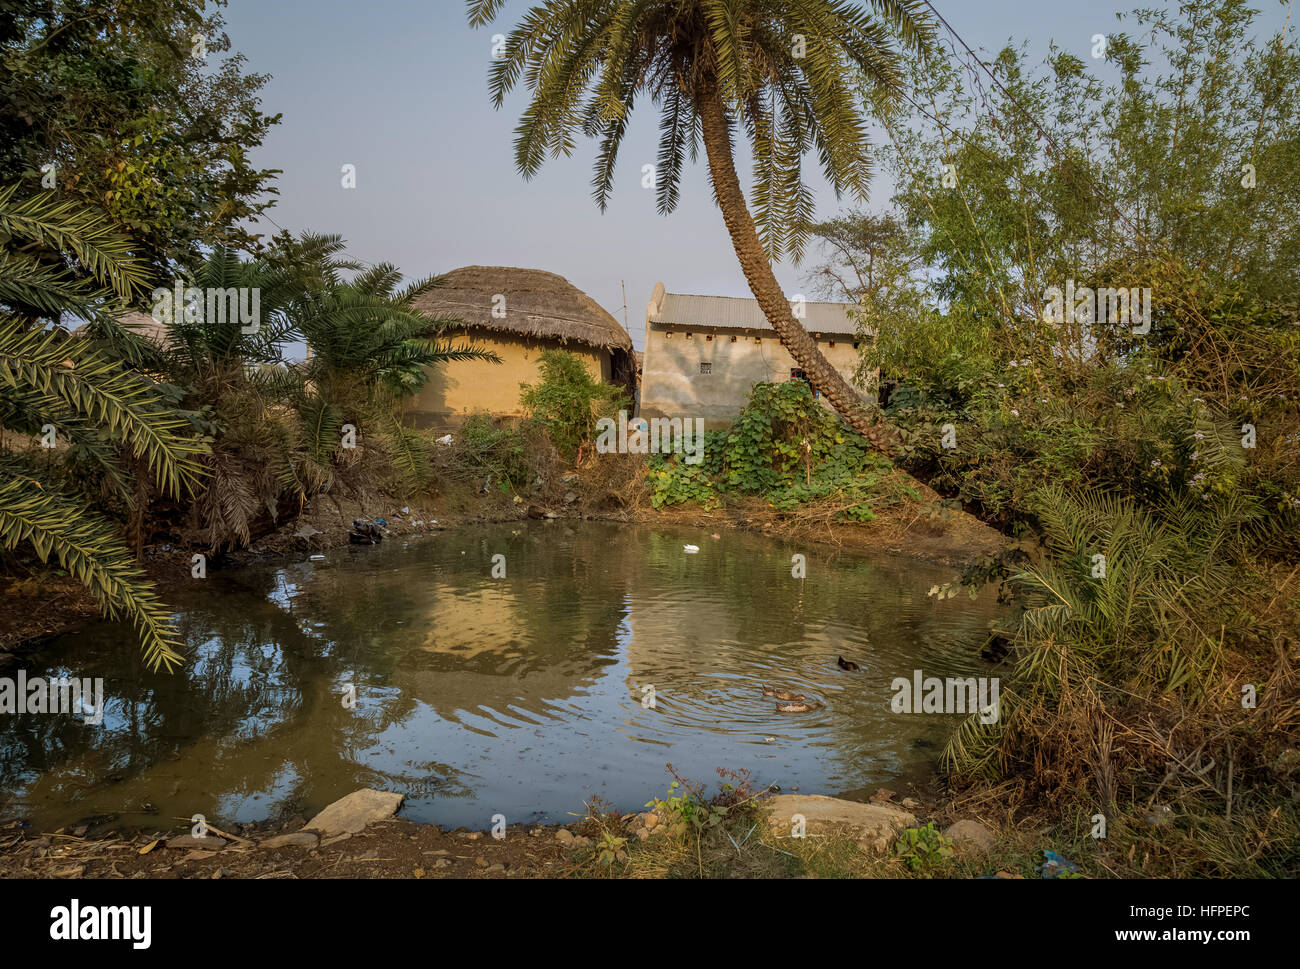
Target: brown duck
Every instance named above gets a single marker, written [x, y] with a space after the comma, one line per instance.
[844, 664]
[783, 695]
[802, 706]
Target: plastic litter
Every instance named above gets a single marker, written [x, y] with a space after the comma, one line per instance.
[1053, 864]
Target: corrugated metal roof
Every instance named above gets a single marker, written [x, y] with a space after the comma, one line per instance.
[734, 313]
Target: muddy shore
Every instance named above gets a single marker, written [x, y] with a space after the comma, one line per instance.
[394, 847]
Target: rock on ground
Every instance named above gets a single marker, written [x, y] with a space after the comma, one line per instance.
[302, 839]
[972, 834]
[875, 826]
[188, 841]
[351, 814]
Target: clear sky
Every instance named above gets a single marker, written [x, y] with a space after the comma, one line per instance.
[398, 88]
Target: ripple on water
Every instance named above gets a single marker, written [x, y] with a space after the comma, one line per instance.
[521, 696]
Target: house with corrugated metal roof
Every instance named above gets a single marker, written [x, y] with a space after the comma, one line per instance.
[703, 354]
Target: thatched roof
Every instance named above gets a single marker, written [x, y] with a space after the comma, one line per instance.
[142, 324]
[537, 304]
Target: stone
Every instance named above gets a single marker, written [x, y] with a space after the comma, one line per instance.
[971, 834]
[191, 843]
[911, 803]
[497, 867]
[481, 861]
[298, 839]
[873, 826]
[1162, 815]
[650, 820]
[351, 814]
[564, 836]
[642, 834]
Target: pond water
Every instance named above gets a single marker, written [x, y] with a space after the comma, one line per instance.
[522, 695]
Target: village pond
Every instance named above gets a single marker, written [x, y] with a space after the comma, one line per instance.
[597, 654]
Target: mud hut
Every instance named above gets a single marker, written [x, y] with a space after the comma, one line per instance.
[517, 313]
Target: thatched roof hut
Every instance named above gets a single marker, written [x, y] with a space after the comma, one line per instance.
[518, 314]
[529, 303]
[141, 324]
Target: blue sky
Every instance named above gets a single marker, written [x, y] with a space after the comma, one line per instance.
[398, 88]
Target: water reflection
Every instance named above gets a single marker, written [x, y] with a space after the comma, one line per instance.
[520, 695]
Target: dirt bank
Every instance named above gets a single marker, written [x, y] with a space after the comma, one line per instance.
[639, 845]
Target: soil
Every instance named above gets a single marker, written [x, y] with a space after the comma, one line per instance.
[394, 848]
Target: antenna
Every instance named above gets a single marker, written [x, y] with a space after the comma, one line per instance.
[623, 284]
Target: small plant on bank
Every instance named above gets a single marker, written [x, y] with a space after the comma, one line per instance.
[787, 448]
[568, 401]
[923, 848]
[610, 849]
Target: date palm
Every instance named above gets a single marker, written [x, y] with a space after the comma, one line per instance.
[787, 72]
[54, 258]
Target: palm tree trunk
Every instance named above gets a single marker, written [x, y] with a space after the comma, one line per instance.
[763, 282]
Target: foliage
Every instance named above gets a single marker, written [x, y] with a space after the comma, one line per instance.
[674, 482]
[783, 74]
[867, 255]
[923, 847]
[490, 454]
[568, 401]
[142, 127]
[1170, 452]
[787, 448]
[784, 71]
[56, 386]
[278, 424]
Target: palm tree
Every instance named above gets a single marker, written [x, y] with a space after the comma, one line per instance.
[277, 424]
[370, 348]
[787, 71]
[101, 410]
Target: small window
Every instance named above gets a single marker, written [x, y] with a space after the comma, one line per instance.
[706, 368]
[709, 337]
[690, 336]
[831, 343]
[733, 339]
[855, 344]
